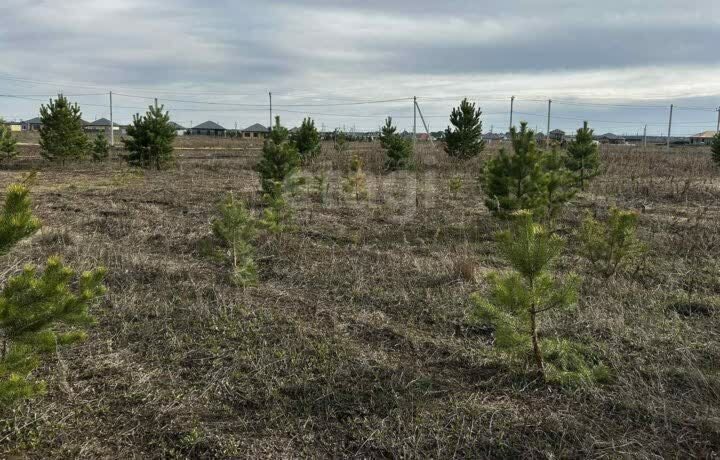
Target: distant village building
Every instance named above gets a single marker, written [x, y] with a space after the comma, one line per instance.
[179, 130]
[209, 128]
[610, 138]
[491, 138]
[32, 124]
[101, 125]
[557, 135]
[256, 130]
[14, 126]
[703, 138]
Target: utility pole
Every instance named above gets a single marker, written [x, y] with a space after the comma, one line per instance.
[270, 127]
[414, 121]
[717, 130]
[156, 106]
[512, 102]
[112, 125]
[669, 127]
[547, 134]
[427, 128]
[645, 136]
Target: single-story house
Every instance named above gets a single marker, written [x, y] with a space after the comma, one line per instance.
[492, 137]
[256, 130]
[610, 138]
[179, 130]
[704, 137]
[557, 135]
[32, 124]
[101, 125]
[209, 128]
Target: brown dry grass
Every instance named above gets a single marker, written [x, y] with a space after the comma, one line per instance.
[357, 342]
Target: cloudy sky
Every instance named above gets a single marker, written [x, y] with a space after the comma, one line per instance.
[617, 63]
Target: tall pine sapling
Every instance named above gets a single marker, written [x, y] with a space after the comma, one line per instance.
[517, 180]
[235, 228]
[61, 134]
[465, 140]
[397, 149]
[151, 139]
[279, 162]
[32, 304]
[307, 140]
[100, 148]
[583, 158]
[715, 148]
[8, 143]
[518, 300]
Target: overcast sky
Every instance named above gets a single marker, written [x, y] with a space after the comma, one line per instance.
[316, 54]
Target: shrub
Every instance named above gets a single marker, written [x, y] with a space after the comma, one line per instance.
[519, 299]
[355, 180]
[307, 140]
[8, 143]
[61, 134]
[100, 148]
[151, 140]
[715, 148]
[465, 141]
[235, 228]
[32, 304]
[583, 158]
[613, 244]
[279, 161]
[397, 149]
[340, 144]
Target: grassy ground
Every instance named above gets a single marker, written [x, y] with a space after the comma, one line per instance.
[358, 340]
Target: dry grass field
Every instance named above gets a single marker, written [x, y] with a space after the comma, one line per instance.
[358, 339]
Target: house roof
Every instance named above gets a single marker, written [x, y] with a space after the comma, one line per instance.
[175, 126]
[33, 121]
[609, 136]
[557, 131]
[256, 128]
[101, 122]
[705, 134]
[209, 125]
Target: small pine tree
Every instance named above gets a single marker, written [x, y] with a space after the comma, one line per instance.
[514, 181]
[341, 144]
[519, 299]
[100, 148]
[455, 184]
[355, 179]
[583, 158]
[397, 149]
[280, 161]
[559, 182]
[307, 140]
[613, 244]
[8, 143]
[715, 148]
[151, 139]
[16, 220]
[277, 215]
[31, 304]
[465, 141]
[235, 228]
[61, 135]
